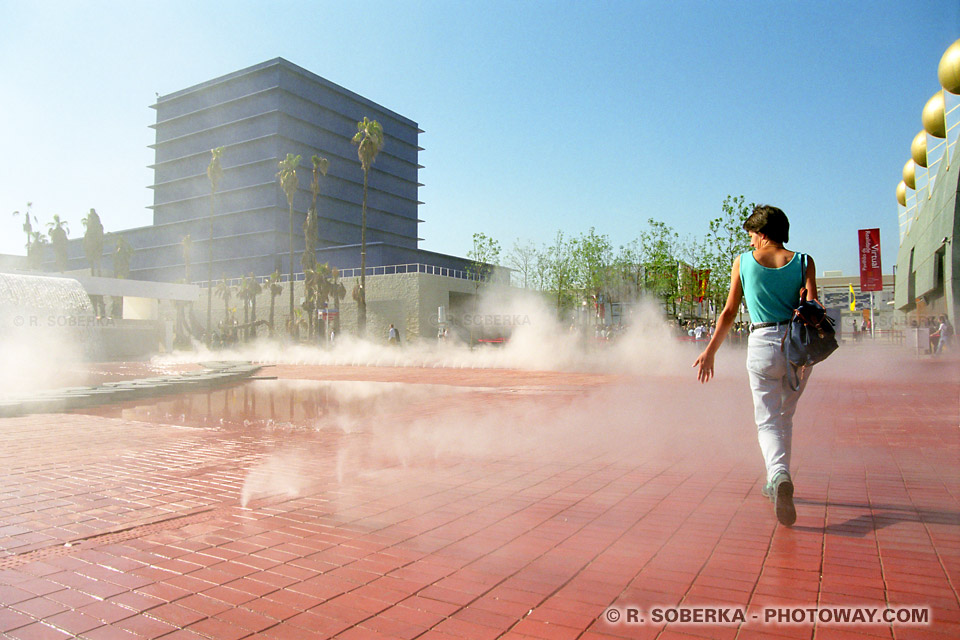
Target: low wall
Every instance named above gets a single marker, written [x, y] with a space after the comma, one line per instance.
[409, 301]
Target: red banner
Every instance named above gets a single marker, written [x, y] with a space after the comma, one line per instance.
[871, 275]
[703, 280]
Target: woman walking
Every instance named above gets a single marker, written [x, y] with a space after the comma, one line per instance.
[770, 278]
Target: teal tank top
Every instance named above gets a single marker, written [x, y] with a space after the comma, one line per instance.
[771, 294]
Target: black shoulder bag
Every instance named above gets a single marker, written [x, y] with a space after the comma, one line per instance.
[810, 336]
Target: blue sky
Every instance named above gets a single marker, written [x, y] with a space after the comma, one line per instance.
[539, 116]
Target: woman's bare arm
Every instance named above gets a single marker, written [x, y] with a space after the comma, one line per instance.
[810, 280]
[726, 319]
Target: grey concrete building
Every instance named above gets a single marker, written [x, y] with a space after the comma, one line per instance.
[259, 115]
[928, 262]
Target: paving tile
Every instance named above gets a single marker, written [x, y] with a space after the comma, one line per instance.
[38, 631]
[373, 534]
[11, 619]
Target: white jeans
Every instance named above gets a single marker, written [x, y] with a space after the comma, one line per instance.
[774, 402]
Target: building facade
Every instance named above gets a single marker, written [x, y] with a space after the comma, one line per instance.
[928, 262]
[258, 115]
[834, 291]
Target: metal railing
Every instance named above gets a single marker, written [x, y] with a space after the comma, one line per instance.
[354, 272]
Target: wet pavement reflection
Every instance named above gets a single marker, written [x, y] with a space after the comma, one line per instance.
[287, 404]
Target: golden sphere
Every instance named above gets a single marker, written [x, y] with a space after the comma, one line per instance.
[910, 174]
[918, 149]
[902, 193]
[933, 120]
[949, 69]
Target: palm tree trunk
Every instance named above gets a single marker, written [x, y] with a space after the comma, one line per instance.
[291, 270]
[253, 317]
[210, 274]
[362, 302]
[336, 304]
[272, 299]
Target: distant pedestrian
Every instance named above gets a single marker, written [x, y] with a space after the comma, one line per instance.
[944, 334]
[393, 336]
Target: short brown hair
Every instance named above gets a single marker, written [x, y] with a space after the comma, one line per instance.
[770, 221]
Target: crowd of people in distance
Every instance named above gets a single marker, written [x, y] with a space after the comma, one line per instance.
[702, 331]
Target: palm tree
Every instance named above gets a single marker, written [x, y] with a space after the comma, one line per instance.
[122, 258]
[93, 249]
[338, 291]
[369, 141]
[93, 241]
[58, 231]
[310, 236]
[225, 292]
[319, 289]
[323, 288]
[35, 249]
[214, 174]
[275, 290]
[255, 290]
[27, 226]
[320, 166]
[308, 263]
[244, 294]
[310, 286]
[290, 183]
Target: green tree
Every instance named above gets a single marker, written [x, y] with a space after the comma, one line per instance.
[560, 271]
[629, 267]
[541, 269]
[483, 255]
[93, 241]
[522, 259]
[290, 183]
[369, 140]
[592, 255]
[58, 231]
[724, 242]
[214, 175]
[658, 249]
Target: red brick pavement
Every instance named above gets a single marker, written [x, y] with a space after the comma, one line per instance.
[477, 504]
